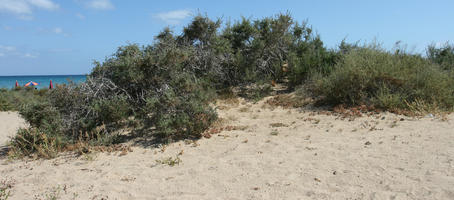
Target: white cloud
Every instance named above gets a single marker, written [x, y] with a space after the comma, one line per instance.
[80, 16]
[7, 48]
[24, 8]
[29, 55]
[101, 4]
[15, 6]
[25, 17]
[58, 30]
[6, 51]
[61, 50]
[45, 4]
[7, 28]
[174, 17]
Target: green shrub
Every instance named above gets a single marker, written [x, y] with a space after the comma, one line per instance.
[444, 56]
[164, 85]
[178, 116]
[258, 48]
[39, 114]
[69, 114]
[308, 56]
[164, 96]
[84, 108]
[4, 103]
[372, 76]
[111, 110]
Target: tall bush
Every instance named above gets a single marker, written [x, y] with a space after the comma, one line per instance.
[165, 93]
[444, 56]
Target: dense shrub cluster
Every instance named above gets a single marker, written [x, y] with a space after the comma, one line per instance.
[247, 51]
[165, 88]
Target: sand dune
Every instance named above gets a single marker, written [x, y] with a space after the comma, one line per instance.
[268, 154]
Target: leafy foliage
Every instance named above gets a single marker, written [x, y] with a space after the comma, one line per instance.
[444, 56]
[163, 94]
[274, 49]
[373, 76]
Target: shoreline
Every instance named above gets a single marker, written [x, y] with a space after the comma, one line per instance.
[42, 75]
[8, 82]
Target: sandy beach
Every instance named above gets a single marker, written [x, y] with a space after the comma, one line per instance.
[263, 153]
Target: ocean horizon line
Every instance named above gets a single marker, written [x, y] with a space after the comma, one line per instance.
[42, 80]
[44, 75]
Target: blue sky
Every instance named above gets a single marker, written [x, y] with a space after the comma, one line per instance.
[40, 37]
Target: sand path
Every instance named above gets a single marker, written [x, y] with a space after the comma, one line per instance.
[9, 123]
[308, 156]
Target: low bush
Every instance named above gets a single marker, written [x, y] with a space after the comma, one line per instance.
[5, 105]
[33, 141]
[90, 109]
[373, 76]
[14, 99]
[90, 112]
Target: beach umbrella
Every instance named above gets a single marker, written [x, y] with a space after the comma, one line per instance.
[51, 86]
[17, 84]
[31, 83]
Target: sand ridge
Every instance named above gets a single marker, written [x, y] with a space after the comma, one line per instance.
[274, 154]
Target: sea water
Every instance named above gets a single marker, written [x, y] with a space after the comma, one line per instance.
[43, 81]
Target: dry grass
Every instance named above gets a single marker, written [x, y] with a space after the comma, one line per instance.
[170, 161]
[83, 148]
[244, 109]
[311, 119]
[219, 129]
[288, 101]
[422, 108]
[275, 125]
[227, 99]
